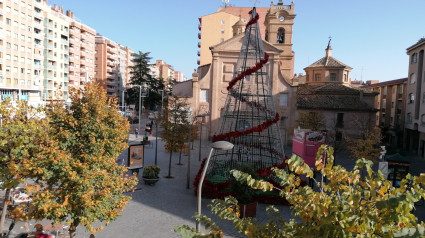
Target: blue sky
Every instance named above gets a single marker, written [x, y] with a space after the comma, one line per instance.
[371, 36]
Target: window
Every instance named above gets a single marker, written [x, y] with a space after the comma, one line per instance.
[15, 58]
[222, 31]
[340, 120]
[423, 120]
[317, 77]
[392, 104]
[280, 36]
[222, 22]
[411, 98]
[412, 78]
[283, 99]
[384, 90]
[221, 40]
[414, 58]
[423, 97]
[204, 95]
[409, 117]
[8, 57]
[8, 21]
[7, 68]
[333, 77]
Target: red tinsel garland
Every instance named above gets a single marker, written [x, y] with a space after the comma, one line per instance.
[219, 190]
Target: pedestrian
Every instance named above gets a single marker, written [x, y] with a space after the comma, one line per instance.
[39, 232]
[137, 132]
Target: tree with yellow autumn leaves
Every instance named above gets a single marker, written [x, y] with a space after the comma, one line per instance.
[73, 161]
[345, 205]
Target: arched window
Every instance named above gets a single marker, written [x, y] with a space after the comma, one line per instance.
[412, 78]
[267, 35]
[280, 36]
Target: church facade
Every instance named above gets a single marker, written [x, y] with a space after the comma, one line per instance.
[206, 92]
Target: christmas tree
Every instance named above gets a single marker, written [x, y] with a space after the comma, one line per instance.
[249, 118]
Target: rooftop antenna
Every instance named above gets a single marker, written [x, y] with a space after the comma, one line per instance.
[255, 2]
[225, 2]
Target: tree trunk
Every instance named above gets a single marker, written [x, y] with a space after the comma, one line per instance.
[180, 157]
[72, 230]
[169, 165]
[4, 210]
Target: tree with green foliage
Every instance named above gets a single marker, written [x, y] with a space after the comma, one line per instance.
[24, 140]
[141, 74]
[346, 205]
[176, 126]
[86, 184]
[310, 120]
[366, 145]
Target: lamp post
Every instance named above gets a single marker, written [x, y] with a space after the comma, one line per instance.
[141, 96]
[156, 139]
[219, 145]
[200, 135]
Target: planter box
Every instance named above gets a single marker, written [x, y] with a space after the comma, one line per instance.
[150, 181]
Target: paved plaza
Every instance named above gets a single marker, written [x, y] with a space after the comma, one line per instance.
[155, 210]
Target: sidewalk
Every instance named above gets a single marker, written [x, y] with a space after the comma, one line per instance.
[154, 211]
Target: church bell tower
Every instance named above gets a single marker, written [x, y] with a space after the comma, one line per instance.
[279, 23]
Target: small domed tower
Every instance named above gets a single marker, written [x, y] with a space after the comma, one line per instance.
[238, 27]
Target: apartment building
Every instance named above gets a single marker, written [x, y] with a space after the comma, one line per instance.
[56, 54]
[81, 52]
[415, 103]
[21, 50]
[391, 105]
[218, 27]
[165, 71]
[44, 52]
[125, 62]
[112, 62]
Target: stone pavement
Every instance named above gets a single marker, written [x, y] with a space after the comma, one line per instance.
[155, 210]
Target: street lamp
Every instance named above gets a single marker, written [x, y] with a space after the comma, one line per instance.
[200, 135]
[219, 145]
[141, 96]
[156, 136]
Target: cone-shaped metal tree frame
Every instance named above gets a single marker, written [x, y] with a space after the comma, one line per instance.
[249, 118]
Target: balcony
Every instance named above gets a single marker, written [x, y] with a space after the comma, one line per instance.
[38, 5]
[38, 57]
[38, 26]
[39, 36]
[39, 47]
[38, 16]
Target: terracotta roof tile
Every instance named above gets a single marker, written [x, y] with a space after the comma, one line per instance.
[328, 62]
